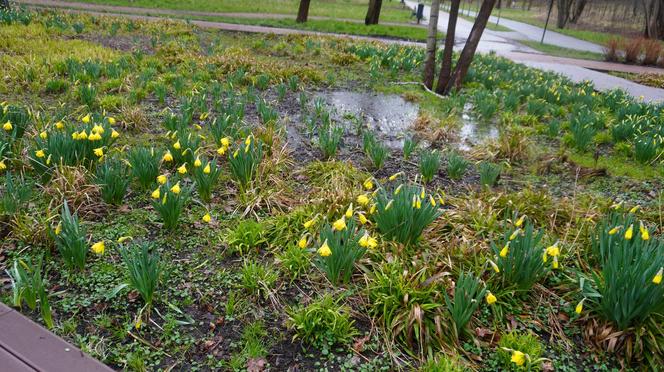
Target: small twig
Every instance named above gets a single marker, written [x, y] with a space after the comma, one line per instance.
[422, 85]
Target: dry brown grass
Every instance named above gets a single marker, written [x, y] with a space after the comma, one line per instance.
[651, 51]
[632, 49]
[611, 49]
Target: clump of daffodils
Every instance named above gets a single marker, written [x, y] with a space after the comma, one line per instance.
[169, 201]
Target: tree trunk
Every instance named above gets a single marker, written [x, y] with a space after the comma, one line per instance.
[373, 13]
[469, 49]
[446, 64]
[654, 19]
[579, 5]
[303, 11]
[563, 12]
[430, 62]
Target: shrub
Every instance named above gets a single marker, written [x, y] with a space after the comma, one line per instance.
[645, 149]
[322, 323]
[489, 173]
[258, 279]
[632, 50]
[519, 258]
[429, 164]
[144, 271]
[520, 351]
[245, 160]
[205, 177]
[651, 50]
[409, 145]
[329, 138]
[409, 308]
[112, 177]
[468, 294]
[339, 250]
[375, 150]
[69, 237]
[627, 289]
[611, 49]
[456, 166]
[144, 164]
[16, 193]
[169, 202]
[184, 148]
[28, 285]
[402, 215]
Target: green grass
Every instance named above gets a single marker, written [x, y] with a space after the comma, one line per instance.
[619, 166]
[490, 25]
[562, 52]
[351, 9]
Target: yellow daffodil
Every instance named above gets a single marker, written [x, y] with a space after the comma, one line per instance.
[372, 210]
[7, 126]
[207, 169]
[645, 235]
[614, 230]
[115, 134]
[515, 234]
[634, 209]
[630, 232]
[340, 224]
[58, 229]
[505, 250]
[3, 166]
[94, 137]
[518, 358]
[236, 153]
[59, 125]
[86, 119]
[225, 141]
[398, 190]
[432, 201]
[167, 157]
[555, 262]
[222, 150]
[207, 218]
[324, 250]
[162, 179]
[98, 247]
[82, 135]
[362, 218]
[349, 211]
[389, 204]
[490, 298]
[182, 169]
[422, 193]
[658, 277]
[197, 162]
[494, 266]
[74, 136]
[368, 184]
[40, 153]
[310, 223]
[43, 135]
[247, 141]
[176, 189]
[579, 307]
[553, 250]
[302, 243]
[123, 239]
[156, 193]
[362, 200]
[177, 145]
[519, 222]
[111, 120]
[99, 152]
[394, 176]
[98, 129]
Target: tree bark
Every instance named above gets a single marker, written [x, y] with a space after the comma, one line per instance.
[430, 62]
[563, 12]
[469, 49]
[654, 19]
[303, 11]
[579, 5]
[446, 63]
[373, 13]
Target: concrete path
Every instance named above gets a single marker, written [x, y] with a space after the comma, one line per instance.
[574, 69]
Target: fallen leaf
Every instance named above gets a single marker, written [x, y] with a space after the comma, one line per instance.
[256, 364]
[358, 346]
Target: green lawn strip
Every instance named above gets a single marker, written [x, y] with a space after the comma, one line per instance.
[353, 9]
[562, 52]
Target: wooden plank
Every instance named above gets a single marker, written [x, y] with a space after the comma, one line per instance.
[40, 349]
[8, 362]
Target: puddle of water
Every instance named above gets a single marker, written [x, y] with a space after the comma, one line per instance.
[473, 133]
[390, 116]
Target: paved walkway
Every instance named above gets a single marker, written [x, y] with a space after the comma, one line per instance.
[575, 69]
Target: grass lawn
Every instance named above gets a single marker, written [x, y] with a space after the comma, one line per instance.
[353, 9]
[562, 52]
